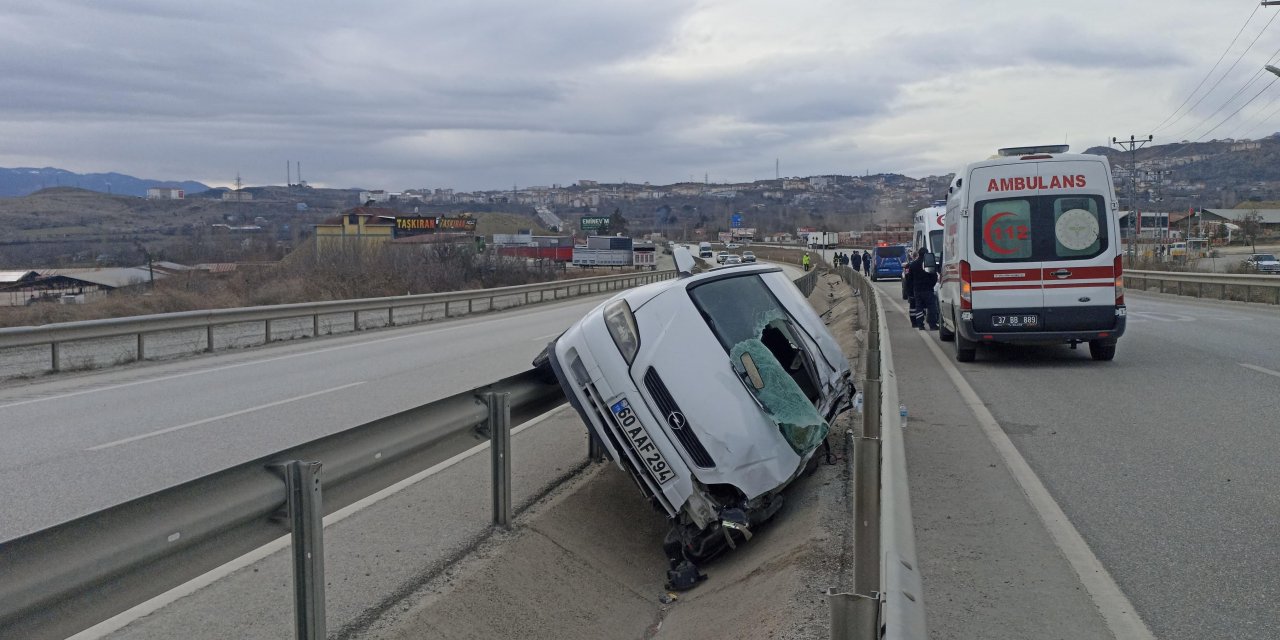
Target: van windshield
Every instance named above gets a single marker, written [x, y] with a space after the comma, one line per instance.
[1041, 228]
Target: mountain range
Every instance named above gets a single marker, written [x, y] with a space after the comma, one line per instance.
[21, 181]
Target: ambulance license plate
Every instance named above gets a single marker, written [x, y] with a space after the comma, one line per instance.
[630, 424]
[1016, 321]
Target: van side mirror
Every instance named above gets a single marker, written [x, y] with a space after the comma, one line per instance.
[929, 261]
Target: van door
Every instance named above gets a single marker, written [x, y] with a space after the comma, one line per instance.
[1005, 271]
[1078, 267]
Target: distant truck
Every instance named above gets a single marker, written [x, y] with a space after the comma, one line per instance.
[823, 239]
[604, 251]
[704, 250]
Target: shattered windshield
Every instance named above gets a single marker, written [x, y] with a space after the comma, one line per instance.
[753, 327]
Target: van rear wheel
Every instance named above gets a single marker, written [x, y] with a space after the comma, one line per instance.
[966, 350]
[945, 334]
[1102, 350]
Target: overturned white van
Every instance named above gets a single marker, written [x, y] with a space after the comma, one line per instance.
[1031, 253]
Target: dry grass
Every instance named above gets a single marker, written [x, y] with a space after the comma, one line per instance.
[337, 275]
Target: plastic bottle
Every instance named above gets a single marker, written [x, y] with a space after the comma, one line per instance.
[902, 410]
[857, 402]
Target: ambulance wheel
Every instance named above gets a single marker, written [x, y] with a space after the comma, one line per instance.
[1102, 350]
[945, 334]
[966, 350]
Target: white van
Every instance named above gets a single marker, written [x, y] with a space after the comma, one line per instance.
[1031, 253]
[704, 249]
[927, 232]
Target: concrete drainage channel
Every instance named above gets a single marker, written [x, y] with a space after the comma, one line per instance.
[586, 561]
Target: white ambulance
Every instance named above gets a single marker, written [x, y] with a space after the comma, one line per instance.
[927, 233]
[1031, 253]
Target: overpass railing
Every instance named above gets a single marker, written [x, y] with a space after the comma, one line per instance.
[887, 599]
[455, 303]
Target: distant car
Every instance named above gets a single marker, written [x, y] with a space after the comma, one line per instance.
[748, 256]
[1262, 263]
[722, 257]
[733, 259]
[712, 391]
[732, 245]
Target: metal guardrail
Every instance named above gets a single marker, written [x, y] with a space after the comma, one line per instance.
[56, 334]
[1189, 283]
[63, 579]
[68, 577]
[887, 600]
[807, 282]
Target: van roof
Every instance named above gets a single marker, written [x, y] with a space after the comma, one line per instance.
[1037, 157]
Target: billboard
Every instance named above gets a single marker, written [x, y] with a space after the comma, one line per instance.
[594, 223]
[417, 225]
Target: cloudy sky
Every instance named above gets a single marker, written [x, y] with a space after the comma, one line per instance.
[490, 93]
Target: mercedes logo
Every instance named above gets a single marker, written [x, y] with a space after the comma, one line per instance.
[676, 420]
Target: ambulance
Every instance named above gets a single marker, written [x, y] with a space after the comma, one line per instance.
[1031, 253]
[927, 232]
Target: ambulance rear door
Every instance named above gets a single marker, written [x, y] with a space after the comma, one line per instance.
[1004, 268]
[1078, 254]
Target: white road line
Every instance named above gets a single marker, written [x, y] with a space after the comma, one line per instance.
[1121, 618]
[116, 443]
[1260, 369]
[362, 343]
[129, 616]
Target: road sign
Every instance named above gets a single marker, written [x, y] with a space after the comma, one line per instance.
[593, 223]
[736, 220]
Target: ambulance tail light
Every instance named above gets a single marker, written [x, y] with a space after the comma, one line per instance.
[966, 286]
[1119, 271]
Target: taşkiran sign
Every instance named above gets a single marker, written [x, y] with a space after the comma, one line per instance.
[593, 223]
[415, 225]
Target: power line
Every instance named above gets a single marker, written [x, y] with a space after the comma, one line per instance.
[1187, 134]
[1211, 70]
[1227, 73]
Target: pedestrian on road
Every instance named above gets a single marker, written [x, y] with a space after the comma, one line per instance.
[805, 261]
[926, 300]
[866, 263]
[908, 292]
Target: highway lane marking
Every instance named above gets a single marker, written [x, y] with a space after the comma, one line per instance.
[1116, 609]
[416, 334]
[116, 443]
[141, 610]
[1260, 369]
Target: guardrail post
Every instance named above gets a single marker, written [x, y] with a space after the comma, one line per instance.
[55, 354]
[142, 347]
[595, 449]
[446, 308]
[266, 331]
[315, 326]
[500, 456]
[306, 521]
[866, 509]
[355, 320]
[490, 303]
[391, 316]
[853, 616]
[208, 338]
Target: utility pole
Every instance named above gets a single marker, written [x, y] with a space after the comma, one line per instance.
[1135, 224]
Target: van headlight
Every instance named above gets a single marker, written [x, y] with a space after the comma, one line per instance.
[622, 328]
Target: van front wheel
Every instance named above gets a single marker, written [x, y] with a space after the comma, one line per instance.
[1102, 350]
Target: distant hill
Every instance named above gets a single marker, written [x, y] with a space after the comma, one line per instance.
[21, 181]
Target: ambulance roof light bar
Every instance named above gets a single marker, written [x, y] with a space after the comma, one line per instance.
[1009, 152]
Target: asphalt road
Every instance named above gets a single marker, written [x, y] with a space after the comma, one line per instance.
[77, 443]
[1165, 461]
